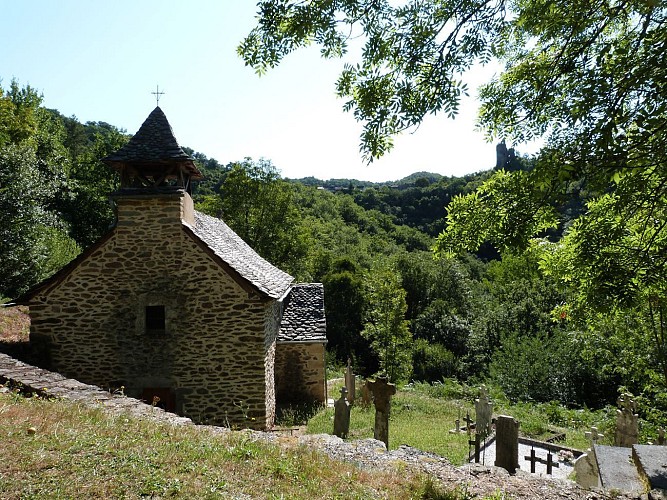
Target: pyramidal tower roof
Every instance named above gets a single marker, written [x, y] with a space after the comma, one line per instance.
[153, 147]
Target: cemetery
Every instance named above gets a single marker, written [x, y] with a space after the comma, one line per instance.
[494, 440]
[158, 328]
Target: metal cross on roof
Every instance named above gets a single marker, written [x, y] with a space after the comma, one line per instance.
[157, 94]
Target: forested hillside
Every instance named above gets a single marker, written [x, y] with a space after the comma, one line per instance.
[500, 315]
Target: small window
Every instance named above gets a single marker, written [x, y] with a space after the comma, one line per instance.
[155, 319]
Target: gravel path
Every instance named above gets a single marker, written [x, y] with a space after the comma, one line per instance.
[563, 471]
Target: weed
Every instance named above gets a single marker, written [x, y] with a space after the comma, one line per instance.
[297, 414]
[430, 489]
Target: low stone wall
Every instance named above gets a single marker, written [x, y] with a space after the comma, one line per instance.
[50, 384]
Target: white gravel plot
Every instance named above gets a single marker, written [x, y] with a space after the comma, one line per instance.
[564, 469]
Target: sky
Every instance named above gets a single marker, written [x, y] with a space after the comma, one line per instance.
[101, 61]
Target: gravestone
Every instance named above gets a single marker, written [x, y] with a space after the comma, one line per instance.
[586, 470]
[468, 422]
[342, 415]
[483, 412]
[627, 422]
[549, 461]
[366, 396]
[593, 435]
[651, 463]
[617, 469]
[476, 446]
[350, 382]
[507, 443]
[382, 392]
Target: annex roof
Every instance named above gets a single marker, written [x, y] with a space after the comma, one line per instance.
[153, 145]
[240, 257]
[303, 315]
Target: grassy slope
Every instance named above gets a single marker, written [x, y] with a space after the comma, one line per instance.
[57, 449]
[76, 452]
[416, 420]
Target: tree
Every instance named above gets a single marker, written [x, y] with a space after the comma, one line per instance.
[88, 210]
[610, 261]
[385, 326]
[412, 58]
[588, 71]
[33, 242]
[18, 113]
[344, 302]
[587, 77]
[259, 207]
[33, 236]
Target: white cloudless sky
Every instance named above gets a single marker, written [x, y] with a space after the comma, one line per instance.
[100, 61]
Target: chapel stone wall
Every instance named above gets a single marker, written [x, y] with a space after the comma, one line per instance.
[299, 372]
[217, 348]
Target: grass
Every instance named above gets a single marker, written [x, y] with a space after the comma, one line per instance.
[58, 449]
[14, 324]
[416, 420]
[422, 416]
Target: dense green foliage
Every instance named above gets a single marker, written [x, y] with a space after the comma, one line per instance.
[588, 78]
[260, 207]
[385, 326]
[53, 188]
[513, 318]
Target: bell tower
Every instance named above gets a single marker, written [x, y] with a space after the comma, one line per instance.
[153, 166]
[153, 160]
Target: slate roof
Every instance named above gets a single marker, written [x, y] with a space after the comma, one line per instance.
[303, 315]
[236, 253]
[154, 144]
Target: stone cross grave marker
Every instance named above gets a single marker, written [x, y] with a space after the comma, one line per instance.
[468, 422]
[507, 443]
[350, 382]
[382, 392]
[627, 422]
[483, 412]
[586, 470]
[342, 415]
[457, 424]
[476, 445]
[593, 435]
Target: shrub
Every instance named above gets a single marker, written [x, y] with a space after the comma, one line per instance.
[432, 362]
[548, 368]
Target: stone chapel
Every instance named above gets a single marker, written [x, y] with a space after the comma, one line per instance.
[172, 306]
